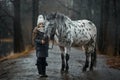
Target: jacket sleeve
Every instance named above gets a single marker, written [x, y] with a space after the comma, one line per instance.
[34, 35]
[38, 41]
[46, 39]
[35, 39]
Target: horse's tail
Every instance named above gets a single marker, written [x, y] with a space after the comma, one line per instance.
[94, 37]
[94, 50]
[95, 56]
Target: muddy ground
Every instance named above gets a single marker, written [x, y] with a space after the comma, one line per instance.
[24, 68]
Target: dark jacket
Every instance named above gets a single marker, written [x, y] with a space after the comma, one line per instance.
[41, 49]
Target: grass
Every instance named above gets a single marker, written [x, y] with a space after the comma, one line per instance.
[17, 55]
[6, 40]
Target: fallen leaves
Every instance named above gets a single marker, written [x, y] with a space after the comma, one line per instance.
[114, 62]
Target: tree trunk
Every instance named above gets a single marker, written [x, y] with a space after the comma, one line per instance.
[104, 25]
[116, 30]
[18, 38]
[35, 12]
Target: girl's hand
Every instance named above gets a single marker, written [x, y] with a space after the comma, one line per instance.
[43, 42]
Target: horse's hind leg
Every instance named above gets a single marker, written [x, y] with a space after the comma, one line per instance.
[62, 58]
[93, 60]
[87, 60]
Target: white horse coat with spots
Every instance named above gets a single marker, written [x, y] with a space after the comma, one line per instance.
[72, 33]
[77, 33]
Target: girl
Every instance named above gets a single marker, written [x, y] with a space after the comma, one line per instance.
[41, 45]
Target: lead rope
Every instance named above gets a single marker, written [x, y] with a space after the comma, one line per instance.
[52, 44]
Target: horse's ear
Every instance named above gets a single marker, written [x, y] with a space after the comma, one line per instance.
[55, 15]
[48, 16]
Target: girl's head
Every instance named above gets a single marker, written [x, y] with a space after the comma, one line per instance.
[41, 25]
[40, 20]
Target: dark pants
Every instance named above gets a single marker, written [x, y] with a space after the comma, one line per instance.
[41, 65]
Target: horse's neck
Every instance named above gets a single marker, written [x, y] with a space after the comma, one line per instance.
[62, 28]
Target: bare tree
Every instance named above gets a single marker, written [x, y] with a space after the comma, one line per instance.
[103, 27]
[116, 48]
[5, 16]
[18, 38]
[35, 12]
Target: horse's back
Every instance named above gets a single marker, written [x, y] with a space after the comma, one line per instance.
[89, 26]
[85, 31]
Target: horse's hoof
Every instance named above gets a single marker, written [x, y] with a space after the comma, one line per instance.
[62, 71]
[67, 68]
[91, 68]
[84, 69]
[66, 71]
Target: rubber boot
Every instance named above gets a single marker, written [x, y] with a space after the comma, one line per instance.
[43, 71]
[39, 69]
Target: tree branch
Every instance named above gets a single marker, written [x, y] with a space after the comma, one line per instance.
[69, 8]
[7, 12]
[12, 1]
[8, 28]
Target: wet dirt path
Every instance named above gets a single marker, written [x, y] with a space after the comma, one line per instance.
[24, 68]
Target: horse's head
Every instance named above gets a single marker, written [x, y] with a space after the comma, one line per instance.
[50, 26]
[54, 21]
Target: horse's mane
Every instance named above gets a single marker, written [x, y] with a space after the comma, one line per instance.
[62, 17]
[62, 21]
[58, 16]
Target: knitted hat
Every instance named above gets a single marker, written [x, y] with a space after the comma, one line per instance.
[40, 19]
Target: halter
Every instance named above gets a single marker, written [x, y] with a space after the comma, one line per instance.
[52, 45]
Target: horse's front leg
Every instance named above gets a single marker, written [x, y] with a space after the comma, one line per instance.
[93, 59]
[67, 58]
[62, 58]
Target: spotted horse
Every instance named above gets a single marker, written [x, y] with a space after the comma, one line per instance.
[69, 33]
